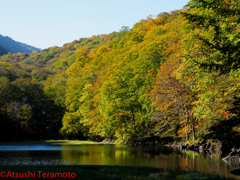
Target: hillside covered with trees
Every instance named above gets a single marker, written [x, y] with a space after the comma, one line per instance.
[173, 76]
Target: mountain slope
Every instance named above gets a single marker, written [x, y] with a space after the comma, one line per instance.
[2, 51]
[14, 47]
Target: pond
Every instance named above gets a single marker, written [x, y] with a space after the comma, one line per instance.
[100, 154]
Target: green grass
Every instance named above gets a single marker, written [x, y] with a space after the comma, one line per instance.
[54, 142]
[94, 172]
[70, 142]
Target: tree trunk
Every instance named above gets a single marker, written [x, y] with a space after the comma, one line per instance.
[186, 125]
[193, 131]
[133, 121]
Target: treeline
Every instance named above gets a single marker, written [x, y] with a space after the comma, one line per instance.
[26, 111]
[175, 75]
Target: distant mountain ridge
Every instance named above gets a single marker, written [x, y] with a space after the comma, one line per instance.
[13, 46]
[2, 51]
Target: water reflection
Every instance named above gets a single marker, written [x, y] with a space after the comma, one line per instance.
[99, 154]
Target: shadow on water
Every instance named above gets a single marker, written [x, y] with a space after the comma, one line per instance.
[99, 154]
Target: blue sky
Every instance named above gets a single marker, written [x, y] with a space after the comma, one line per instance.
[45, 23]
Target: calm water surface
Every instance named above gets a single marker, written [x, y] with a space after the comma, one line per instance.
[99, 154]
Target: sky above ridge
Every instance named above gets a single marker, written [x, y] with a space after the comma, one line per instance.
[46, 23]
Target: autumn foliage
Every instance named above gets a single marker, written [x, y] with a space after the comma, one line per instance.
[174, 75]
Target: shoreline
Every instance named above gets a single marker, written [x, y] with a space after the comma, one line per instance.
[206, 148]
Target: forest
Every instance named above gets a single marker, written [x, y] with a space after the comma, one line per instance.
[173, 76]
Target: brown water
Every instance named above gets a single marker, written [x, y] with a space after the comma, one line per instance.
[99, 154]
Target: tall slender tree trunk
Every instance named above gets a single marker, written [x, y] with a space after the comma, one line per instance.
[133, 121]
[186, 125]
[193, 131]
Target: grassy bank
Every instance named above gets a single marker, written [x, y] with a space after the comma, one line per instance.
[53, 142]
[94, 172]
